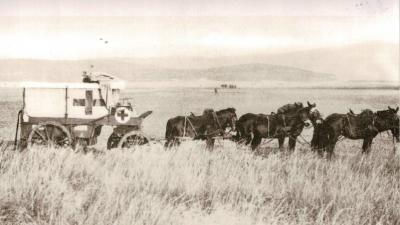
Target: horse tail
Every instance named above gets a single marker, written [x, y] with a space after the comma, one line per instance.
[168, 130]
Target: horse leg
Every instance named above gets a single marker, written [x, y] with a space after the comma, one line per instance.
[331, 148]
[370, 145]
[320, 152]
[281, 141]
[167, 144]
[210, 144]
[249, 138]
[366, 148]
[176, 142]
[292, 143]
[364, 145]
[330, 151]
[255, 142]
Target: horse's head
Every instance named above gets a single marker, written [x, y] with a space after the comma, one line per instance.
[304, 114]
[316, 117]
[389, 120]
[227, 118]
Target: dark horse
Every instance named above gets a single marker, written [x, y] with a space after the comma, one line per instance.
[251, 128]
[203, 127]
[365, 125]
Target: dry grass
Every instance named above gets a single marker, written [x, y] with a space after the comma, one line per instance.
[193, 186]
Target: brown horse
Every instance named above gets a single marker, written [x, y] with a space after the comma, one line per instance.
[203, 127]
[365, 125]
[388, 120]
[252, 128]
[247, 123]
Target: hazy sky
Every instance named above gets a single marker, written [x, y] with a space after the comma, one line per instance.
[195, 7]
[78, 29]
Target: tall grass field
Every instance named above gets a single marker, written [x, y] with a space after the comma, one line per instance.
[189, 185]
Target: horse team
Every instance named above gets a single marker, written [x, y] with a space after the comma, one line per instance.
[288, 122]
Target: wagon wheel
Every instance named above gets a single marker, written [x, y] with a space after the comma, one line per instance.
[50, 134]
[113, 141]
[133, 138]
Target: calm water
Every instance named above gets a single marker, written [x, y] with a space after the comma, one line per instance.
[169, 103]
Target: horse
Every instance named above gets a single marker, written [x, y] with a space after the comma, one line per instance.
[246, 124]
[365, 125]
[388, 120]
[315, 118]
[203, 127]
[251, 128]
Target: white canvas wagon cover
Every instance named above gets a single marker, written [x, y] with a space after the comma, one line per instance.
[71, 100]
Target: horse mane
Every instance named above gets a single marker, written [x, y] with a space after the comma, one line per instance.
[231, 110]
[290, 108]
[381, 111]
[208, 111]
[297, 111]
[385, 113]
[333, 117]
[290, 114]
[366, 113]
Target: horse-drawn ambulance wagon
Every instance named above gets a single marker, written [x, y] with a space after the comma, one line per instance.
[73, 114]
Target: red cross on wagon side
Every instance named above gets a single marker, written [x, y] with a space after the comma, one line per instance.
[73, 114]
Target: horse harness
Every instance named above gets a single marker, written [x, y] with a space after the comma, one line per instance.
[304, 141]
[215, 117]
[185, 125]
[187, 120]
[350, 126]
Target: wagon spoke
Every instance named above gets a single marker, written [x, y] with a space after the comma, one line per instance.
[47, 133]
[40, 134]
[50, 134]
[132, 139]
[53, 138]
[58, 140]
[51, 142]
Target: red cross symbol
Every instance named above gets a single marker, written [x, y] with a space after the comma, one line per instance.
[122, 114]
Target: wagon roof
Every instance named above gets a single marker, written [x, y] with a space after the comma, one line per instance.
[113, 85]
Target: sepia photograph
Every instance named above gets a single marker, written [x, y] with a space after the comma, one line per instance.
[216, 112]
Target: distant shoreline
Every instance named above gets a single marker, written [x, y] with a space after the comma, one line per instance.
[347, 88]
[239, 86]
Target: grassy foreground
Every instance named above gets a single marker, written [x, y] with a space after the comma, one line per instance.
[192, 186]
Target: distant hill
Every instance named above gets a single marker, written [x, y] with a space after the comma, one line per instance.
[363, 61]
[259, 71]
[70, 71]
[368, 61]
